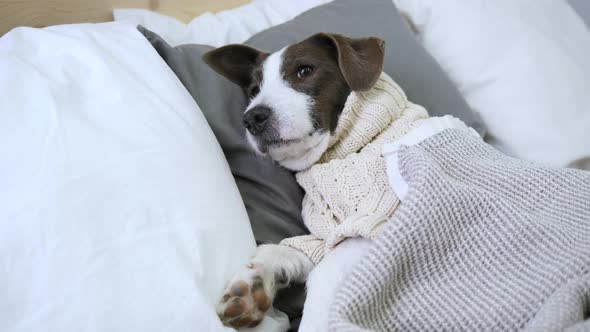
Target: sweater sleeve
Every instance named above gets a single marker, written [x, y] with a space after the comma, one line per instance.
[319, 220]
[310, 245]
[347, 197]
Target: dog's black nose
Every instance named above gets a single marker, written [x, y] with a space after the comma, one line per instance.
[256, 119]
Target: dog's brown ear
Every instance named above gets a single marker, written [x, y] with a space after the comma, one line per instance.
[359, 59]
[235, 62]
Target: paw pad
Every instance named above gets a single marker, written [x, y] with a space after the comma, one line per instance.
[244, 303]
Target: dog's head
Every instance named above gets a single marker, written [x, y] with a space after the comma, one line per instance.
[297, 94]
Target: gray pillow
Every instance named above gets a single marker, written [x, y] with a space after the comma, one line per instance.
[270, 193]
[582, 7]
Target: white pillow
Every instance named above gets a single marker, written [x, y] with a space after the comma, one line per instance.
[235, 25]
[523, 65]
[118, 210]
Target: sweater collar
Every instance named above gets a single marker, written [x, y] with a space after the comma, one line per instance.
[365, 115]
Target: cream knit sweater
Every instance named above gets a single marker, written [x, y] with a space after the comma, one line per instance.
[347, 193]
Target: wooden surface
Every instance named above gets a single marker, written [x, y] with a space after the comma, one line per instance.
[41, 13]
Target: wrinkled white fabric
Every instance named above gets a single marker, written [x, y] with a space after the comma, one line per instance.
[231, 26]
[118, 211]
[522, 65]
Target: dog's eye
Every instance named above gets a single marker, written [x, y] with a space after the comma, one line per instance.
[304, 71]
[254, 91]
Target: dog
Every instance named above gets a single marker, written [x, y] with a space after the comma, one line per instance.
[296, 96]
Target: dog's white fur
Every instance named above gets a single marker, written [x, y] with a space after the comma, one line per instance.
[292, 109]
[290, 106]
[275, 262]
[269, 262]
[300, 155]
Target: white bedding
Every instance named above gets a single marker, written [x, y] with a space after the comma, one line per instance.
[522, 65]
[118, 210]
[217, 29]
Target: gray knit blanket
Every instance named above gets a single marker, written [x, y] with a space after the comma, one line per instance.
[481, 242]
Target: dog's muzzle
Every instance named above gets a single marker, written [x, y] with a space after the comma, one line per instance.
[256, 120]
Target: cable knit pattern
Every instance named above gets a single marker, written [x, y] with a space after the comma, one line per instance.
[480, 242]
[347, 192]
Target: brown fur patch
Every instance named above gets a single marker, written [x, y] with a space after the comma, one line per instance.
[340, 65]
[325, 85]
[238, 63]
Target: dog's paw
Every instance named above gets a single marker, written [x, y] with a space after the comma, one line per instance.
[246, 299]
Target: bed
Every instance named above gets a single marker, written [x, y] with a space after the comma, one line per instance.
[99, 244]
[121, 209]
